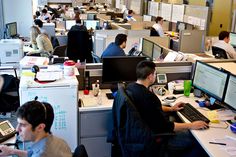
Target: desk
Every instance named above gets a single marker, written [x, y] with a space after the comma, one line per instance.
[94, 122]
[204, 136]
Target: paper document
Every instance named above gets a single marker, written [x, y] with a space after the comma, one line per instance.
[230, 146]
[49, 76]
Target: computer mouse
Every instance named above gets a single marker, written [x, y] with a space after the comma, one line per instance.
[170, 97]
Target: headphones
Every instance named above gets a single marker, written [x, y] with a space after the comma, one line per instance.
[35, 69]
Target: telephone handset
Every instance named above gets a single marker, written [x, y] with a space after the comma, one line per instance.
[6, 131]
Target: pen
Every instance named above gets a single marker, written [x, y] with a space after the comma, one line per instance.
[224, 144]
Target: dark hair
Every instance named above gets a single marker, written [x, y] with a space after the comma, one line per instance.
[145, 68]
[77, 17]
[223, 35]
[120, 38]
[37, 13]
[35, 113]
[44, 11]
[158, 18]
[130, 11]
[38, 22]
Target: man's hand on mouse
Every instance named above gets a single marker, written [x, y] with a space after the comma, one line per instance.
[178, 106]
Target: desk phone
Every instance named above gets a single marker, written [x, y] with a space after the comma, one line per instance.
[6, 131]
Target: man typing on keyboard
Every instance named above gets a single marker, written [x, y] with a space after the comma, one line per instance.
[152, 112]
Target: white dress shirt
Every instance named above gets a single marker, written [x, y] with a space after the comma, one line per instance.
[227, 47]
[159, 29]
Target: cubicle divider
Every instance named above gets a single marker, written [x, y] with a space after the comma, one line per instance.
[173, 70]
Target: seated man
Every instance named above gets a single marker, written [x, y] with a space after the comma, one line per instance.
[224, 44]
[152, 112]
[78, 26]
[116, 48]
[130, 17]
[34, 123]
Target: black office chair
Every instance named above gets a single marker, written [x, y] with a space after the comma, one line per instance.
[153, 32]
[130, 135]
[79, 46]
[80, 151]
[219, 53]
[60, 51]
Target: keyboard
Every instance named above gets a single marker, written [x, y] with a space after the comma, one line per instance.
[109, 95]
[192, 114]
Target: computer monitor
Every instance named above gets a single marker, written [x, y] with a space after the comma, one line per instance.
[91, 16]
[11, 29]
[69, 24]
[180, 26]
[232, 37]
[210, 80]
[147, 48]
[147, 18]
[156, 52]
[230, 95]
[94, 24]
[120, 69]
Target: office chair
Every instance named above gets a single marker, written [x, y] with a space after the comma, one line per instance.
[79, 46]
[80, 151]
[219, 53]
[96, 58]
[130, 136]
[153, 32]
[60, 51]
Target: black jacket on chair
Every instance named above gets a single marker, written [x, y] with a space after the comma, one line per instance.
[130, 133]
[79, 46]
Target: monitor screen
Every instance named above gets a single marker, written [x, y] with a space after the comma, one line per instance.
[180, 26]
[91, 16]
[147, 18]
[210, 80]
[94, 24]
[157, 51]
[230, 95]
[115, 69]
[147, 48]
[69, 24]
[11, 29]
[232, 37]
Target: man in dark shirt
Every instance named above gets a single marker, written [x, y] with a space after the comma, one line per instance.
[78, 26]
[152, 111]
[116, 48]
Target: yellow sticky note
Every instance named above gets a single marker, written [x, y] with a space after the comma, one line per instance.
[213, 116]
[28, 73]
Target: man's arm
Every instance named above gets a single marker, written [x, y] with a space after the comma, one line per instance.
[5, 151]
[190, 126]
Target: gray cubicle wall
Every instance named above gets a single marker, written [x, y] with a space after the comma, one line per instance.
[192, 41]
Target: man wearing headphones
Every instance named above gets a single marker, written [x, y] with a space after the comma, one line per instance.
[34, 123]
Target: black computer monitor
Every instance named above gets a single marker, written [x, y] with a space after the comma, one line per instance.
[91, 16]
[11, 29]
[94, 24]
[232, 37]
[120, 69]
[147, 48]
[69, 24]
[210, 80]
[230, 95]
[156, 52]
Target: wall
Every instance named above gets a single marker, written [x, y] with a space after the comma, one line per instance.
[198, 2]
[21, 12]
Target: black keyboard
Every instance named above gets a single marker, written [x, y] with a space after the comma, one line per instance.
[109, 95]
[192, 114]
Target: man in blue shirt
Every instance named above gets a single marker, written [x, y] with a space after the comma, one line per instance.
[116, 48]
[34, 124]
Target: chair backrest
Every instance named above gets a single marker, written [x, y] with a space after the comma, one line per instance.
[219, 52]
[60, 51]
[132, 135]
[79, 46]
[96, 58]
[153, 32]
[80, 151]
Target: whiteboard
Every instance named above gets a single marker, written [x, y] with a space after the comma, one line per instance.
[166, 11]
[153, 8]
[178, 13]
